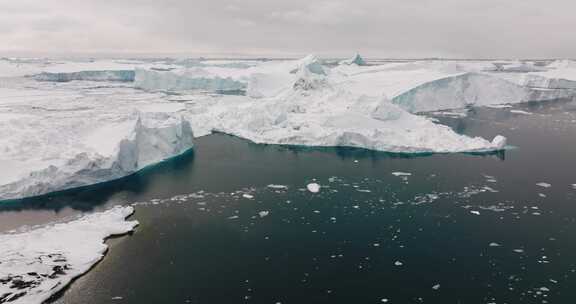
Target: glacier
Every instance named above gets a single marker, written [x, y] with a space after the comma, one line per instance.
[41, 261]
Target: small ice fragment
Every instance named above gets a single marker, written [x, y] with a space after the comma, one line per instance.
[475, 212]
[355, 160]
[520, 112]
[263, 213]
[436, 287]
[494, 244]
[544, 185]
[117, 298]
[246, 195]
[277, 186]
[519, 250]
[233, 217]
[574, 186]
[313, 187]
[376, 244]
[384, 300]
[401, 173]
[489, 189]
[544, 289]
[541, 195]
[398, 263]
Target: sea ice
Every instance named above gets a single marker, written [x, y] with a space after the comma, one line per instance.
[40, 262]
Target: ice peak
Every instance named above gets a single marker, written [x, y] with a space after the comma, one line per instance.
[311, 64]
[356, 59]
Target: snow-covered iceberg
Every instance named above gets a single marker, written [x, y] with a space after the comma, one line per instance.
[316, 111]
[471, 89]
[36, 264]
[60, 136]
[149, 141]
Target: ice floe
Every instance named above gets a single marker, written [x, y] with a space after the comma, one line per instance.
[38, 263]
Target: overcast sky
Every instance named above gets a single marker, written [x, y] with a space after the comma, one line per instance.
[375, 28]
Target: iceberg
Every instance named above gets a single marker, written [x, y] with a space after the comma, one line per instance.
[37, 263]
[321, 115]
[73, 134]
[471, 89]
[119, 75]
[356, 59]
[186, 79]
[149, 141]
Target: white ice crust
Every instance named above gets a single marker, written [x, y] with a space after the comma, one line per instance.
[37, 263]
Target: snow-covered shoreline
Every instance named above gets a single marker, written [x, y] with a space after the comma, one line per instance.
[38, 263]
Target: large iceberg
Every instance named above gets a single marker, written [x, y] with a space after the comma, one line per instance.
[38, 263]
[315, 111]
[471, 89]
[59, 138]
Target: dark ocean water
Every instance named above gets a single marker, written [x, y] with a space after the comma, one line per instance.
[461, 228]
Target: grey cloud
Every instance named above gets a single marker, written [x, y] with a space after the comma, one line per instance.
[378, 28]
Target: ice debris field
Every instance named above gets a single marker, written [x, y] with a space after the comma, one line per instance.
[72, 123]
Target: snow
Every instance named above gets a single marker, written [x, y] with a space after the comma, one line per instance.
[40, 262]
[313, 187]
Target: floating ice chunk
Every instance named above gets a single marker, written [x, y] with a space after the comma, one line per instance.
[436, 287]
[518, 250]
[233, 217]
[544, 185]
[277, 186]
[313, 187]
[401, 173]
[248, 196]
[475, 212]
[38, 263]
[263, 213]
[494, 244]
[398, 263]
[521, 112]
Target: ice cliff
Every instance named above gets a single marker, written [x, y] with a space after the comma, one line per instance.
[154, 137]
